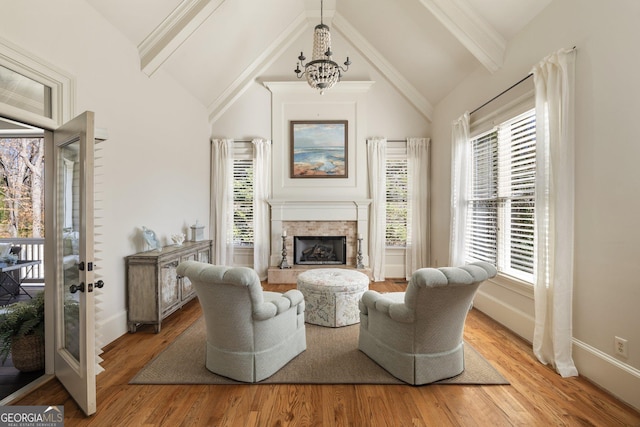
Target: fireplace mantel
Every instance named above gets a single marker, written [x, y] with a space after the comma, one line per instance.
[319, 210]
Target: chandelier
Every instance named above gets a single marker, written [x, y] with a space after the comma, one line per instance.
[322, 73]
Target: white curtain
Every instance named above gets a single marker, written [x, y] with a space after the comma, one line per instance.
[418, 236]
[261, 194]
[222, 201]
[460, 155]
[554, 88]
[377, 158]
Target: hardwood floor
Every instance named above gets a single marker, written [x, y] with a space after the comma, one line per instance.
[537, 396]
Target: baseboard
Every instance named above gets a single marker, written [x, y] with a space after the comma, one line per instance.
[517, 321]
[608, 373]
[113, 327]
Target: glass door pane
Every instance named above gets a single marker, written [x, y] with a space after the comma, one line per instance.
[69, 228]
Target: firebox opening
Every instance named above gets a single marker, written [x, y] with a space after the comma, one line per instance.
[320, 250]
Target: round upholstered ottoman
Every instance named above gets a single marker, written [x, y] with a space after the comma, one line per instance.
[331, 295]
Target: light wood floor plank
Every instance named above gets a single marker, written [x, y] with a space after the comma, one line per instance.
[537, 396]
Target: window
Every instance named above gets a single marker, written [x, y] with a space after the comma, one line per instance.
[500, 225]
[43, 96]
[25, 93]
[396, 192]
[243, 202]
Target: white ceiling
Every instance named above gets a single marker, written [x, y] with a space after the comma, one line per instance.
[217, 48]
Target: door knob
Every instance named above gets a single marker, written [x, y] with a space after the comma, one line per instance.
[75, 288]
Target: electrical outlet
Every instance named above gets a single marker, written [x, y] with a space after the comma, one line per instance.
[621, 347]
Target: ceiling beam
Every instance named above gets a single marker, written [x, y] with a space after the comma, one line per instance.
[174, 30]
[257, 67]
[475, 34]
[378, 61]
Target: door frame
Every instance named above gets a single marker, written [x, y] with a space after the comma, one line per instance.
[63, 89]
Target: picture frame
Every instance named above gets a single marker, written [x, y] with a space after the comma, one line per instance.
[319, 149]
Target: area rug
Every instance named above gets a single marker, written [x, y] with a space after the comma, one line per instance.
[331, 357]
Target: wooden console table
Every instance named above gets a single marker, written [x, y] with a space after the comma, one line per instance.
[154, 290]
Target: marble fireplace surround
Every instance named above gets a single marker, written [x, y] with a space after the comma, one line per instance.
[348, 218]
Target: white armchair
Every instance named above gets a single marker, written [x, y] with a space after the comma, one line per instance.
[251, 333]
[417, 335]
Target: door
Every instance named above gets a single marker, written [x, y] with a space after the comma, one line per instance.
[74, 314]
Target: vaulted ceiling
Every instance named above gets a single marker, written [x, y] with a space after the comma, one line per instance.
[217, 48]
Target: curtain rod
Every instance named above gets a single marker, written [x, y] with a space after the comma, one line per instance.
[236, 140]
[502, 93]
[507, 89]
[391, 140]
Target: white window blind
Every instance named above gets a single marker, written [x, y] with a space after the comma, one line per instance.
[396, 175]
[243, 202]
[502, 204]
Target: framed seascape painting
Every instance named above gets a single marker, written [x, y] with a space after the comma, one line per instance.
[319, 149]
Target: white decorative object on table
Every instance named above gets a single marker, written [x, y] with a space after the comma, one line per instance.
[197, 232]
[178, 238]
[5, 253]
[151, 238]
[5, 248]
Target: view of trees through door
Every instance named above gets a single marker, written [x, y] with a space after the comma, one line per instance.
[21, 229]
[21, 188]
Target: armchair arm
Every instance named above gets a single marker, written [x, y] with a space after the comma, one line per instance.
[374, 301]
[279, 304]
[265, 311]
[401, 313]
[297, 299]
[368, 301]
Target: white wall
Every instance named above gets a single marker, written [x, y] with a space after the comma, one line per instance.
[384, 113]
[154, 168]
[606, 291]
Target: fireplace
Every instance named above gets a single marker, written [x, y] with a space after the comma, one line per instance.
[314, 250]
[291, 217]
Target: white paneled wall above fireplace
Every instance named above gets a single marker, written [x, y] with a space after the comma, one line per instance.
[296, 101]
